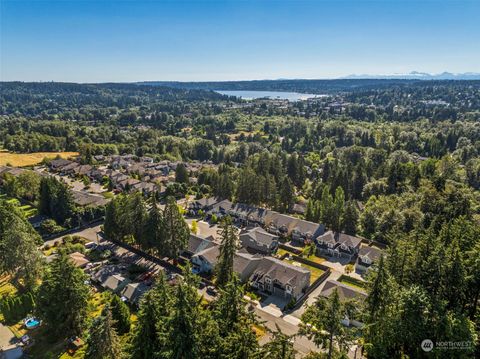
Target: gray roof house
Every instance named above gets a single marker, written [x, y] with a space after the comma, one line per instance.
[202, 204]
[59, 163]
[366, 257]
[197, 244]
[279, 224]
[243, 264]
[336, 244]
[259, 240]
[115, 283]
[87, 199]
[134, 291]
[345, 292]
[279, 278]
[305, 230]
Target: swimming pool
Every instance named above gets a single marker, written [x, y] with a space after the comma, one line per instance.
[31, 323]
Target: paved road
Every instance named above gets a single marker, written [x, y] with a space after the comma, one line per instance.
[89, 233]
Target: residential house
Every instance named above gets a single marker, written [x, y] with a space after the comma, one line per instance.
[56, 165]
[366, 257]
[345, 292]
[259, 240]
[115, 283]
[102, 274]
[306, 231]
[79, 259]
[243, 263]
[246, 215]
[88, 199]
[299, 208]
[133, 292]
[202, 204]
[279, 224]
[82, 170]
[145, 187]
[127, 184]
[117, 177]
[205, 260]
[13, 171]
[69, 169]
[276, 277]
[221, 209]
[336, 244]
[197, 244]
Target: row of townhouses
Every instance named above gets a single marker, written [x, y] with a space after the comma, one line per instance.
[275, 225]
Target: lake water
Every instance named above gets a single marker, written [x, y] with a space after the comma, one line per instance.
[251, 95]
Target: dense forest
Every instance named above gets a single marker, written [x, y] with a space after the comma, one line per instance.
[399, 164]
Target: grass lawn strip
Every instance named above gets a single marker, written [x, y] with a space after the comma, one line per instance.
[352, 282]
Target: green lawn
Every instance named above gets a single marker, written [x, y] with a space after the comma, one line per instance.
[314, 258]
[352, 282]
[315, 272]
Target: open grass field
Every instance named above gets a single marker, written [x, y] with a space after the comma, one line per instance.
[30, 159]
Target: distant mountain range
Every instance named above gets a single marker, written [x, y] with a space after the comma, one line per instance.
[415, 75]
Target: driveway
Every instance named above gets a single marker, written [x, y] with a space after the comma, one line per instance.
[204, 229]
[6, 337]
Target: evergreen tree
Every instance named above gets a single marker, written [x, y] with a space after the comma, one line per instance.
[184, 329]
[323, 324]
[153, 237]
[112, 227]
[326, 207]
[287, 194]
[62, 298]
[338, 208]
[151, 329]
[228, 247]
[136, 215]
[120, 314]
[103, 342]
[176, 230]
[19, 255]
[181, 174]
[350, 218]
[279, 347]
[380, 290]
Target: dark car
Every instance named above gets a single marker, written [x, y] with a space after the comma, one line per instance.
[212, 291]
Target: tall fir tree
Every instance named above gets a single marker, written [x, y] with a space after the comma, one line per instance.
[63, 297]
[120, 314]
[151, 329]
[176, 230]
[103, 341]
[228, 247]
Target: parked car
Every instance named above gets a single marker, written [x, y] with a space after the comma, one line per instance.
[212, 291]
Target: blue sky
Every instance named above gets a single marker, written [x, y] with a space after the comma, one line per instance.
[100, 40]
